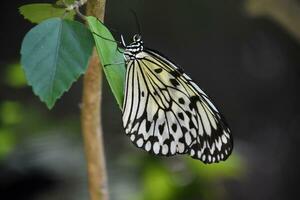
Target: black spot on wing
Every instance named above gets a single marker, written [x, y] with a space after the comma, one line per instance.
[174, 127]
[193, 101]
[155, 117]
[158, 70]
[181, 116]
[183, 129]
[148, 125]
[181, 101]
[175, 73]
[174, 82]
[188, 113]
[161, 128]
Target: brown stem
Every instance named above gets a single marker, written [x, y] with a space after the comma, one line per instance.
[90, 117]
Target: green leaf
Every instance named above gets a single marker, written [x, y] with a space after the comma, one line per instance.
[39, 12]
[54, 54]
[111, 59]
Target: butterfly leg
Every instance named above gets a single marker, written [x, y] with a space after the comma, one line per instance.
[118, 63]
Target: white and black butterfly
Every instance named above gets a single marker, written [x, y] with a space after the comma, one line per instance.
[166, 113]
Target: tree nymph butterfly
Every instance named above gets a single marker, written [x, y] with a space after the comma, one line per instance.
[166, 113]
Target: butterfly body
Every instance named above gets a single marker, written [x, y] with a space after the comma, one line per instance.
[166, 113]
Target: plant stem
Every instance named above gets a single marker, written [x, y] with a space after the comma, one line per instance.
[91, 117]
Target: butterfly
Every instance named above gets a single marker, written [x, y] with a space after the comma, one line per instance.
[166, 113]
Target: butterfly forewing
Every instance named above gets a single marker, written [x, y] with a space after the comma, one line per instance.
[166, 113]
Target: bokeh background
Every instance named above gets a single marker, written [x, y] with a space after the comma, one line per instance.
[244, 53]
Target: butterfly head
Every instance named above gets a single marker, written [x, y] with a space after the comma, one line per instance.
[134, 48]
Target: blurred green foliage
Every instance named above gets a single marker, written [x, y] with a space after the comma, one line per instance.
[160, 178]
[284, 12]
[10, 112]
[158, 183]
[10, 115]
[7, 142]
[14, 76]
[181, 177]
[232, 168]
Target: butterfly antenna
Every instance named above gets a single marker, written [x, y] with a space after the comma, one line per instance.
[104, 38]
[118, 42]
[111, 29]
[136, 21]
[122, 42]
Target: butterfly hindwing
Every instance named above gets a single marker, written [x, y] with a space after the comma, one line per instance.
[166, 113]
[214, 141]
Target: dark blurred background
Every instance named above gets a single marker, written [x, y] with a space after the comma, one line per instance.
[245, 54]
